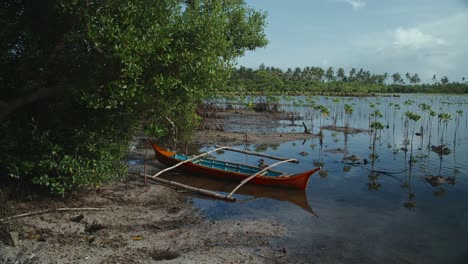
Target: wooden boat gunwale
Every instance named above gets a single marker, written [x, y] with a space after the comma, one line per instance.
[243, 164]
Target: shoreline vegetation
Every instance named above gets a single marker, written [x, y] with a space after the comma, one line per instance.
[330, 81]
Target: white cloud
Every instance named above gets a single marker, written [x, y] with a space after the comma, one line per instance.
[436, 46]
[414, 38]
[356, 4]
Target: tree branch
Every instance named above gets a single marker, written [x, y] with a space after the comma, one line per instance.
[93, 43]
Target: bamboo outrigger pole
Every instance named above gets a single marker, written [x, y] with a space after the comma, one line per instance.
[256, 174]
[190, 188]
[258, 154]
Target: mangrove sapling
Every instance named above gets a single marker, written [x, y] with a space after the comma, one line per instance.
[444, 118]
[376, 126]
[431, 117]
[373, 176]
[324, 113]
[311, 104]
[457, 120]
[349, 112]
[396, 107]
[425, 108]
[413, 117]
[409, 102]
[372, 106]
[335, 102]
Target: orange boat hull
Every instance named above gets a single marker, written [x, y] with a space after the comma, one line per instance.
[297, 181]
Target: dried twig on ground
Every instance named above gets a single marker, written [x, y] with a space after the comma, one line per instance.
[49, 211]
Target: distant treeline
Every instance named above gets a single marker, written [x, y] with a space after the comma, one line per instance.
[317, 80]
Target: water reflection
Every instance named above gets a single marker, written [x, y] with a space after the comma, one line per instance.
[419, 201]
[252, 191]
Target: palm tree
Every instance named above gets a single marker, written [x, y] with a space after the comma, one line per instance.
[383, 78]
[397, 78]
[330, 74]
[289, 74]
[444, 80]
[415, 79]
[297, 73]
[317, 73]
[352, 74]
[408, 77]
[306, 74]
[340, 74]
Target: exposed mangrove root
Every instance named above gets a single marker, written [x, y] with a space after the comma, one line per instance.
[306, 131]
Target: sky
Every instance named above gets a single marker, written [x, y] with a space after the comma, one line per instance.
[417, 36]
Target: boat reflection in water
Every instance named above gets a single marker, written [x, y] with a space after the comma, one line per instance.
[294, 196]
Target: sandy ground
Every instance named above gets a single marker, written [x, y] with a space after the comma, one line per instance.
[141, 223]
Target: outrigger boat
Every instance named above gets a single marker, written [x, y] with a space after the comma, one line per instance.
[233, 171]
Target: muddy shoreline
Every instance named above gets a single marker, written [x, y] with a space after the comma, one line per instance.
[248, 127]
[139, 223]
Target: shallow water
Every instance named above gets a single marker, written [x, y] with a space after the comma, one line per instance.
[357, 216]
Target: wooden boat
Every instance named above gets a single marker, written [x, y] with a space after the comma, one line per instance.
[233, 171]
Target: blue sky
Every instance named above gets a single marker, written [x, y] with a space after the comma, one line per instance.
[417, 36]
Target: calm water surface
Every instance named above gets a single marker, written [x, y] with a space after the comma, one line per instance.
[354, 215]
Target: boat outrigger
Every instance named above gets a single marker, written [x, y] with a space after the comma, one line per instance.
[233, 171]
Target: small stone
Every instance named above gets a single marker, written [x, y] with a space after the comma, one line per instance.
[77, 218]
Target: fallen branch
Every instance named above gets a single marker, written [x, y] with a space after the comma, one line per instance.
[189, 188]
[49, 211]
[265, 257]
